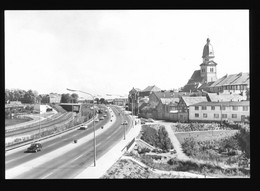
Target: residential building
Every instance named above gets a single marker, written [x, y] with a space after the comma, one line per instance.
[184, 103]
[224, 97]
[148, 90]
[54, 98]
[161, 105]
[133, 99]
[236, 111]
[231, 84]
[120, 101]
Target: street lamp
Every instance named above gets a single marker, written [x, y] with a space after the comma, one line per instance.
[94, 141]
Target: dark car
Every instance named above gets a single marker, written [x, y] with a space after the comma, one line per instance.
[35, 147]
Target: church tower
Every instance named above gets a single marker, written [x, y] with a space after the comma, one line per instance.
[208, 68]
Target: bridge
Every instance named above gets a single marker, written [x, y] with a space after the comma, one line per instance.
[75, 107]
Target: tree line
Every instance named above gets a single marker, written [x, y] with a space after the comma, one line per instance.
[32, 97]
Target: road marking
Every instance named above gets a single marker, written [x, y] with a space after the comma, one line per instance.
[47, 175]
[77, 158]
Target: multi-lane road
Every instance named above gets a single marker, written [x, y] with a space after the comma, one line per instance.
[61, 157]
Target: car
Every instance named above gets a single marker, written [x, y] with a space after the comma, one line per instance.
[34, 147]
[82, 127]
[150, 120]
[124, 123]
[101, 118]
[96, 120]
[104, 115]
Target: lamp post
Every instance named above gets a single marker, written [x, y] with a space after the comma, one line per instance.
[94, 140]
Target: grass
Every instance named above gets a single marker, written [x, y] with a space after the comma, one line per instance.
[205, 135]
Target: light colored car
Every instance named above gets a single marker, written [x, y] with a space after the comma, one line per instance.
[82, 127]
[96, 120]
[124, 123]
[104, 115]
[150, 120]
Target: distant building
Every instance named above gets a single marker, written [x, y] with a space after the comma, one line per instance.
[54, 98]
[120, 101]
[133, 99]
[236, 111]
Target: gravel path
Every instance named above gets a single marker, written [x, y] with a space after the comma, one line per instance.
[176, 144]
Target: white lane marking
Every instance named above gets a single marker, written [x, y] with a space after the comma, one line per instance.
[47, 175]
[76, 158]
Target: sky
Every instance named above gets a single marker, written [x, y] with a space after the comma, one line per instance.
[111, 51]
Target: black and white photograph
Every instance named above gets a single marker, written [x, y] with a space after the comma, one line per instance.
[127, 94]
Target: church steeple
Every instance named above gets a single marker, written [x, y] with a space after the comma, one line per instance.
[208, 52]
[208, 67]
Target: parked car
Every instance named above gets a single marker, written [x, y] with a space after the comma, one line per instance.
[104, 115]
[101, 118]
[96, 120]
[35, 147]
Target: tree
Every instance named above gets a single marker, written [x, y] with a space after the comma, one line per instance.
[29, 97]
[97, 100]
[65, 98]
[102, 101]
[74, 97]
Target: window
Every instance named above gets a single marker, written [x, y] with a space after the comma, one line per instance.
[203, 107]
[212, 107]
[224, 115]
[223, 107]
[245, 108]
[234, 108]
[196, 107]
[196, 115]
[234, 115]
[205, 115]
[216, 115]
[211, 70]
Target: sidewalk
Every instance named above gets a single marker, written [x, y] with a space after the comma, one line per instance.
[109, 158]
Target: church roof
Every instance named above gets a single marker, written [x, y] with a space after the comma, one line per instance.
[193, 82]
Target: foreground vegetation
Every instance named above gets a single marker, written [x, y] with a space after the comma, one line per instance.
[228, 155]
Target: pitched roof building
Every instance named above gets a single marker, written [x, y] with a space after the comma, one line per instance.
[215, 97]
[234, 83]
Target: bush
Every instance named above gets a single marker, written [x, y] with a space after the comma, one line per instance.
[156, 138]
[243, 138]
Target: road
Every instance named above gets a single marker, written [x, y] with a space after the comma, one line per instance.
[61, 158]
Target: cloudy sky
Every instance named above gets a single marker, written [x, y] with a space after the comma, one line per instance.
[112, 51]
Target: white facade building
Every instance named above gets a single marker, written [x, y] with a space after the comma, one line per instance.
[219, 111]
